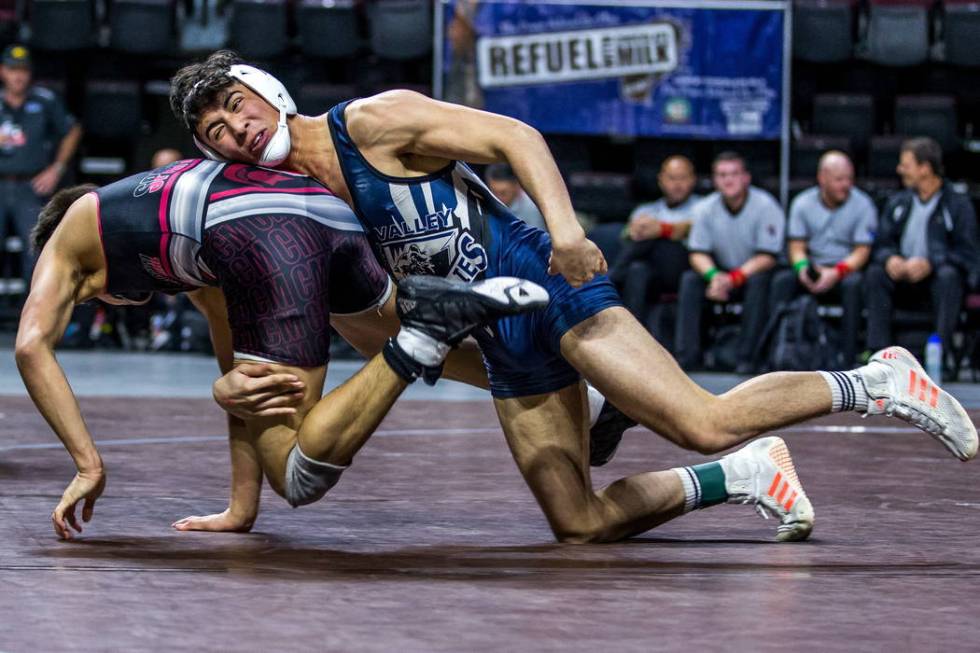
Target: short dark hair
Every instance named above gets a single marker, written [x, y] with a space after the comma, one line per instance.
[195, 87]
[925, 150]
[53, 212]
[729, 155]
[500, 172]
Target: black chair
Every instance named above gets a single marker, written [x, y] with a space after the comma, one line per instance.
[823, 30]
[608, 196]
[570, 153]
[258, 28]
[143, 26]
[608, 238]
[62, 24]
[806, 152]
[314, 99]
[401, 29]
[883, 154]
[928, 115]
[844, 115]
[962, 32]
[898, 32]
[328, 30]
[113, 109]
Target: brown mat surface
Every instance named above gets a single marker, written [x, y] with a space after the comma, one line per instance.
[432, 543]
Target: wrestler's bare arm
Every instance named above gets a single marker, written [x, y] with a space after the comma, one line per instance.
[246, 471]
[55, 288]
[407, 125]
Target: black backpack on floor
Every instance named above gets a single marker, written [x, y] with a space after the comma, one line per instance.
[796, 338]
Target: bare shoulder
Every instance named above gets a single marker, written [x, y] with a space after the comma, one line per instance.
[371, 119]
[78, 233]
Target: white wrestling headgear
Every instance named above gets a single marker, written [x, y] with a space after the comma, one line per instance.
[272, 91]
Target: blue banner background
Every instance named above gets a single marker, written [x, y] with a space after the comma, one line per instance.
[727, 85]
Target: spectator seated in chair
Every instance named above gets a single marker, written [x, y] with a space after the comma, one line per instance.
[926, 251]
[734, 243]
[654, 255]
[831, 230]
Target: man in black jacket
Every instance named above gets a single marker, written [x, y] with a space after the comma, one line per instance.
[926, 247]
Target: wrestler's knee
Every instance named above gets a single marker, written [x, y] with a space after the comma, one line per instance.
[581, 527]
[584, 535]
[702, 430]
[307, 480]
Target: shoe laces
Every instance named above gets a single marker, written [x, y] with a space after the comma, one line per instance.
[754, 497]
[910, 413]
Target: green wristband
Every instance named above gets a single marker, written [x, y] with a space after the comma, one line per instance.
[799, 265]
[710, 274]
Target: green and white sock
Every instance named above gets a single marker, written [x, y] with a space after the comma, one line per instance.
[704, 485]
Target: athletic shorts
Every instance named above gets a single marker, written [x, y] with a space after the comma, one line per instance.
[523, 356]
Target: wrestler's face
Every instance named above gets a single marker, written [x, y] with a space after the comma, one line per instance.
[240, 124]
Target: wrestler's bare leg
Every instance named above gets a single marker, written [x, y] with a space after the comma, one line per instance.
[629, 367]
[548, 436]
[330, 429]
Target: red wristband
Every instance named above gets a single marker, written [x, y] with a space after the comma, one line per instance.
[843, 269]
[666, 230]
[737, 277]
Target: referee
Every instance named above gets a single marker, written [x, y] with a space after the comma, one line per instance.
[38, 138]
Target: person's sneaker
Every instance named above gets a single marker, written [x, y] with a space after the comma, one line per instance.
[898, 386]
[762, 473]
[606, 434]
[449, 310]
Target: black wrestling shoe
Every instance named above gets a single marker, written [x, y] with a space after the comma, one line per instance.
[449, 310]
[605, 436]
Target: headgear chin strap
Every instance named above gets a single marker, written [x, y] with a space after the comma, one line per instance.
[272, 91]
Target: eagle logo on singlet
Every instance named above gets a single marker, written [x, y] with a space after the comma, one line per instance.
[412, 260]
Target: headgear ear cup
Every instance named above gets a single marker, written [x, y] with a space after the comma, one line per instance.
[207, 151]
[274, 92]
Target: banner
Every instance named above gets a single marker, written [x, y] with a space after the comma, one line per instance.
[684, 69]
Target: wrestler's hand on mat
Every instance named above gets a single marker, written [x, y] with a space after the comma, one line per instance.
[578, 261]
[87, 485]
[255, 390]
[223, 522]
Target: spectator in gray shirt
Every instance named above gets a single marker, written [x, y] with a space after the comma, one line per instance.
[734, 243]
[504, 185]
[654, 256]
[926, 247]
[831, 230]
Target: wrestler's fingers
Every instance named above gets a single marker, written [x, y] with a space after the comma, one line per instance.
[274, 412]
[88, 509]
[279, 401]
[260, 370]
[276, 383]
[70, 518]
[291, 396]
[60, 528]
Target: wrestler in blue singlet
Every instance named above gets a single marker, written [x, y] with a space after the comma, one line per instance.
[449, 224]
